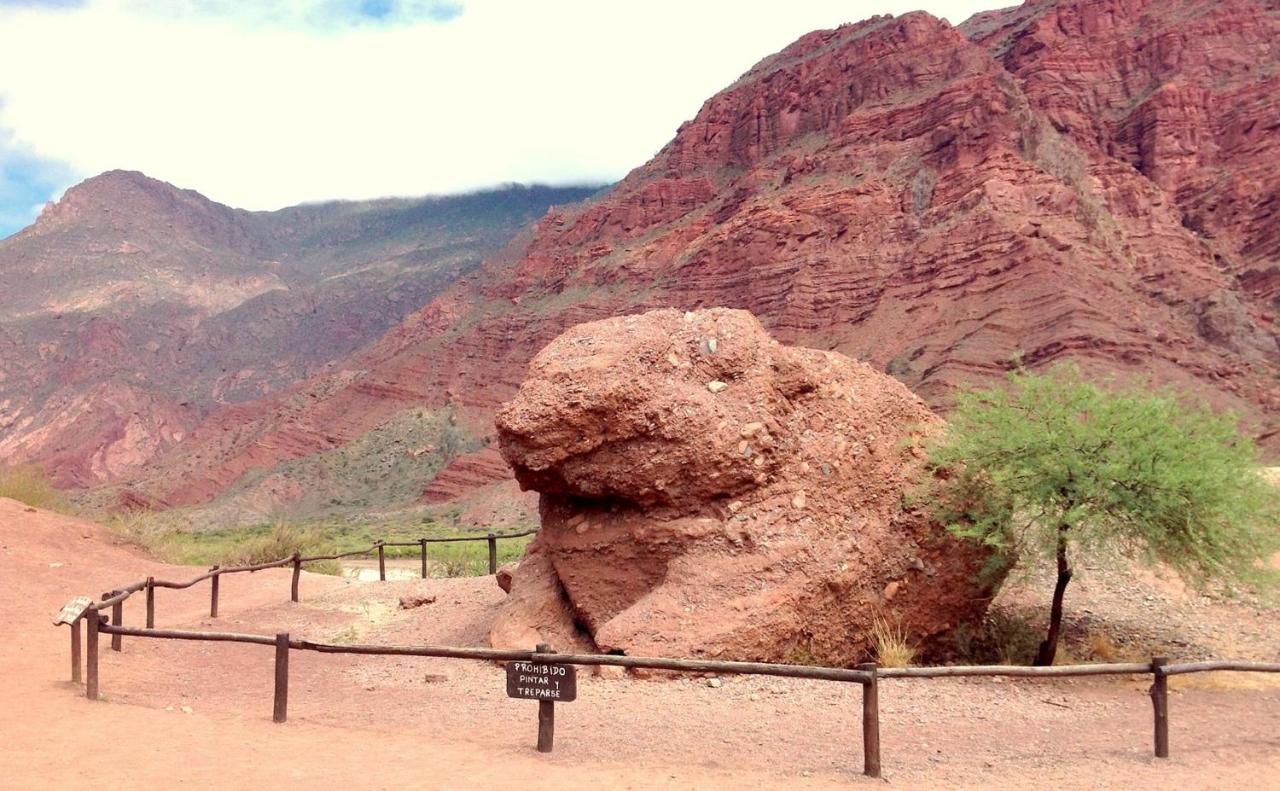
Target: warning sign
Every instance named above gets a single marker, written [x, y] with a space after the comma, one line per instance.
[542, 681]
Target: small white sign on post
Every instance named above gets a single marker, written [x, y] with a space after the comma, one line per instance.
[73, 610]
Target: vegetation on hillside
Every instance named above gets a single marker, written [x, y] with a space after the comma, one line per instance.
[29, 484]
[281, 541]
[387, 466]
[1053, 466]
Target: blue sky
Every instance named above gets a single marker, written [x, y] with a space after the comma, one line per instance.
[274, 102]
[315, 13]
[26, 183]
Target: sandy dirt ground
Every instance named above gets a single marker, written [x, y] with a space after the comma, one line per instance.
[199, 714]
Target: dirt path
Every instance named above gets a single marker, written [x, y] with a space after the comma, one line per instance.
[199, 714]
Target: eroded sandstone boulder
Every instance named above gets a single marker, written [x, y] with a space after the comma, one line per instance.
[706, 491]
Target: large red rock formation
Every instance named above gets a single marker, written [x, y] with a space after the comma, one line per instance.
[706, 491]
[1071, 179]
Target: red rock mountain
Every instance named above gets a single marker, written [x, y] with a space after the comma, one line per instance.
[1093, 180]
[131, 308]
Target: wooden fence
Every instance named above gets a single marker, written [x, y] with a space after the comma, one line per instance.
[116, 598]
[868, 675]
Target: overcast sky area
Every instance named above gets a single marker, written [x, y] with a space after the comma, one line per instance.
[270, 103]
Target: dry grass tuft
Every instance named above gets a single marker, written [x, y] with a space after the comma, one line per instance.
[891, 644]
[1102, 647]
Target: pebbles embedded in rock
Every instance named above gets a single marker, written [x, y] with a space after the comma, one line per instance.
[701, 504]
[891, 590]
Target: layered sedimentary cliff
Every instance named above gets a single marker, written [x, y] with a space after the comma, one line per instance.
[1069, 179]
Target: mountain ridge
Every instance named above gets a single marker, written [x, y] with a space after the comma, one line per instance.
[1038, 184]
[133, 307]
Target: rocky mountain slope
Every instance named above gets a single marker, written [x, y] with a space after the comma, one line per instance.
[131, 308]
[1069, 179]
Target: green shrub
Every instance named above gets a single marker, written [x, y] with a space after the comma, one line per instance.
[281, 542]
[1054, 467]
[1003, 637]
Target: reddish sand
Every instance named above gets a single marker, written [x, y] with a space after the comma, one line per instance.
[403, 723]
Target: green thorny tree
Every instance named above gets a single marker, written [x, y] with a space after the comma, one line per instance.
[1051, 465]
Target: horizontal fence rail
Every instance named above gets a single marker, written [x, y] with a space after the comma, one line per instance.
[858, 676]
[1016, 671]
[864, 675]
[1207, 667]
[868, 675]
[119, 595]
[500, 655]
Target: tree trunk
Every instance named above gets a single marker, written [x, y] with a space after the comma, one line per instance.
[1049, 648]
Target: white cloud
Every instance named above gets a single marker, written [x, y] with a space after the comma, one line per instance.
[261, 109]
[26, 182]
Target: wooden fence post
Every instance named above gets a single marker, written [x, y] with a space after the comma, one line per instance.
[91, 655]
[297, 576]
[546, 714]
[382, 562]
[117, 619]
[281, 712]
[213, 593]
[151, 602]
[871, 722]
[75, 649]
[422, 542]
[1160, 703]
[493, 554]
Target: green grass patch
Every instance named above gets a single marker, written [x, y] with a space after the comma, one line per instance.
[282, 541]
[235, 547]
[166, 537]
[471, 558]
[32, 486]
